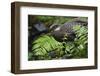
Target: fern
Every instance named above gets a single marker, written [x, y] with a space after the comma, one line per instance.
[44, 44]
[46, 47]
[81, 40]
[78, 47]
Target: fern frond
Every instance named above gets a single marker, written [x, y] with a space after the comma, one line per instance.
[44, 44]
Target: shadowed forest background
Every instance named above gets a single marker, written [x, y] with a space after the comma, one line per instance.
[57, 37]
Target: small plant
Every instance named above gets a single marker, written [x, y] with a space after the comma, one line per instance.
[81, 41]
[46, 47]
[78, 47]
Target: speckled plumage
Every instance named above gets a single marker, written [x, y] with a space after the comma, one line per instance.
[66, 29]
